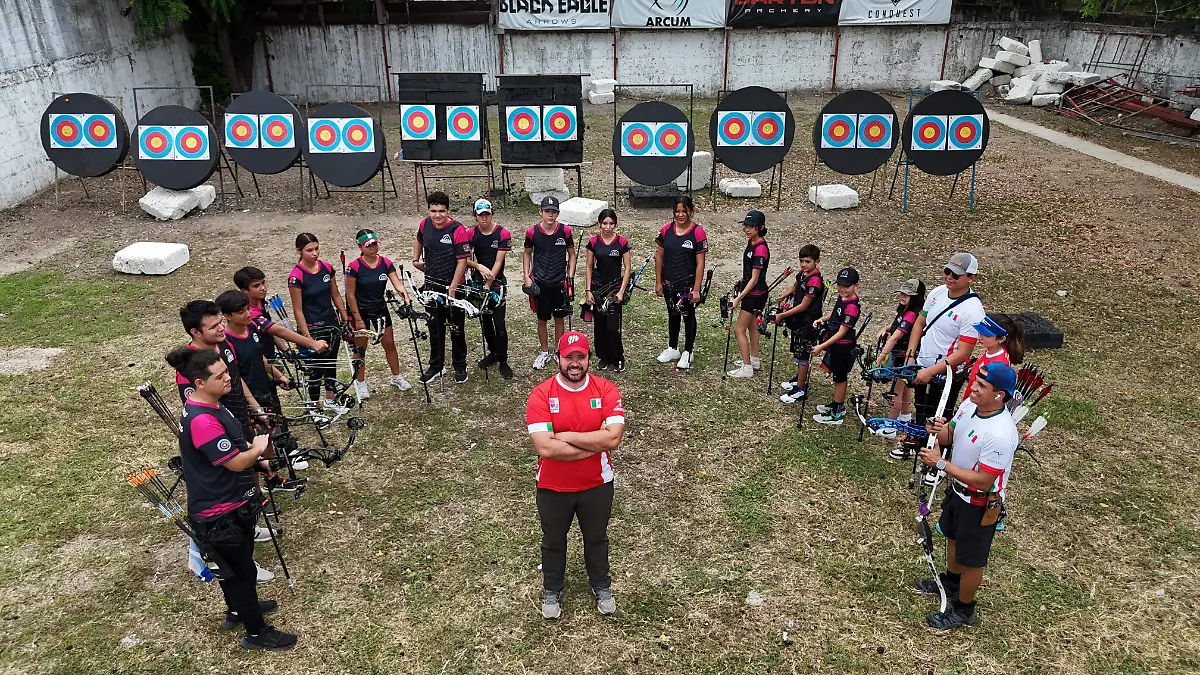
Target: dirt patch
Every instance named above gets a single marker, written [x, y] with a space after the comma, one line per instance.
[21, 360]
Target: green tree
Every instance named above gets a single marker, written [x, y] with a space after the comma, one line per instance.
[1165, 10]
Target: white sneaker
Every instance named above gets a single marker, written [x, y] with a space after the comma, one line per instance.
[264, 575]
[542, 359]
[361, 390]
[300, 465]
[932, 477]
[742, 371]
[400, 383]
[889, 434]
[685, 361]
[261, 533]
[787, 385]
[755, 362]
[906, 417]
[668, 355]
[793, 398]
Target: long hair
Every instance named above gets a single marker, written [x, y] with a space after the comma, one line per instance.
[915, 302]
[1014, 342]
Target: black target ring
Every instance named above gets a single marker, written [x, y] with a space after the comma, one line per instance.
[751, 159]
[176, 174]
[648, 170]
[345, 169]
[945, 162]
[869, 108]
[81, 161]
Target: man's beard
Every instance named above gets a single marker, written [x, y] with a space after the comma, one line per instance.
[565, 372]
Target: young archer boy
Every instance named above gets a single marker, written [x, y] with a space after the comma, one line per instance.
[807, 294]
[839, 327]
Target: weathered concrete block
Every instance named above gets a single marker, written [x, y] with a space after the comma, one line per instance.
[740, 187]
[1049, 88]
[1014, 46]
[702, 164]
[1024, 71]
[151, 257]
[206, 194]
[1000, 79]
[1002, 90]
[1013, 58]
[560, 195]
[1196, 114]
[1021, 90]
[976, 81]
[997, 66]
[601, 99]
[580, 211]
[603, 86]
[1043, 100]
[166, 204]
[544, 180]
[945, 85]
[1035, 51]
[834, 196]
[1077, 78]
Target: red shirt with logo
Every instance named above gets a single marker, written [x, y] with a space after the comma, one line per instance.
[553, 407]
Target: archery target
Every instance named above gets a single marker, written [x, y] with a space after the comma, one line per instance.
[358, 135]
[838, 130]
[733, 127]
[345, 147]
[462, 123]
[874, 132]
[637, 139]
[965, 132]
[767, 129]
[65, 131]
[175, 147]
[155, 142]
[191, 143]
[324, 135]
[100, 131]
[524, 124]
[241, 131]
[84, 135]
[278, 131]
[929, 132]
[653, 143]
[559, 122]
[670, 139]
[416, 123]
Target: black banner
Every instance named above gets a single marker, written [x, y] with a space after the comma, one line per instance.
[783, 13]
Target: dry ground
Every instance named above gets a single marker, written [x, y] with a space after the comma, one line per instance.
[419, 552]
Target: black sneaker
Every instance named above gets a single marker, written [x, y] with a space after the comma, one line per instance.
[269, 639]
[431, 375]
[928, 587]
[286, 485]
[460, 375]
[488, 361]
[269, 508]
[232, 620]
[619, 367]
[505, 371]
[957, 615]
[603, 365]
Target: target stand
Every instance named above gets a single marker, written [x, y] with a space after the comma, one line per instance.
[854, 134]
[654, 145]
[949, 131]
[751, 130]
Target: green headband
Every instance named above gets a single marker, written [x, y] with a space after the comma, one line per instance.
[369, 236]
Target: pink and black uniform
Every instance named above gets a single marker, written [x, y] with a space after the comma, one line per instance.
[370, 286]
[903, 323]
[839, 358]
[250, 349]
[608, 271]
[804, 336]
[680, 260]
[443, 248]
[235, 400]
[756, 257]
[549, 269]
[486, 247]
[316, 301]
[260, 316]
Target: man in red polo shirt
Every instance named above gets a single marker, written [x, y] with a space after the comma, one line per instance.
[575, 421]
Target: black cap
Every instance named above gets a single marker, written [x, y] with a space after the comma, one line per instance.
[549, 203]
[847, 276]
[755, 219]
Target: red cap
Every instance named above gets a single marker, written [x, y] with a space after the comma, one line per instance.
[572, 341]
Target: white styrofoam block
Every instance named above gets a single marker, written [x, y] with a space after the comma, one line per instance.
[702, 164]
[580, 211]
[1196, 114]
[1000, 79]
[166, 204]
[1043, 100]
[1021, 90]
[1024, 71]
[976, 81]
[205, 194]
[740, 187]
[1049, 88]
[601, 99]
[560, 195]
[1015, 46]
[544, 180]
[151, 257]
[1035, 51]
[834, 196]
[603, 86]
[997, 66]
[1076, 78]
[945, 85]
[1013, 58]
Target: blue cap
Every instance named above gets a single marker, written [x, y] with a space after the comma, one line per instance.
[1001, 376]
[989, 328]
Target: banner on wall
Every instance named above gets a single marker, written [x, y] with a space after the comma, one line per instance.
[783, 13]
[668, 13]
[554, 14]
[894, 12]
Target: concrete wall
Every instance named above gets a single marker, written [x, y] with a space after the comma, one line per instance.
[64, 46]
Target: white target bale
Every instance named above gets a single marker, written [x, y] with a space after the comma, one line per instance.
[702, 164]
[580, 211]
[740, 187]
[830, 197]
[151, 257]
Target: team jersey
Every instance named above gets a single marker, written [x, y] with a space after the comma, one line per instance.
[210, 437]
[486, 247]
[553, 407]
[984, 444]
[259, 316]
[549, 252]
[680, 253]
[444, 247]
[903, 323]
[370, 283]
[997, 357]
[957, 325]
[316, 293]
[845, 313]
[250, 348]
[607, 260]
[757, 257]
[235, 400]
[811, 286]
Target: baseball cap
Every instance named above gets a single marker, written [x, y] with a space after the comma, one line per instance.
[573, 341]
[848, 276]
[754, 218]
[549, 203]
[990, 328]
[1000, 376]
[910, 287]
[963, 263]
[482, 206]
[368, 239]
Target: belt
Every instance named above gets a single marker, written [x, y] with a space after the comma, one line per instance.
[977, 497]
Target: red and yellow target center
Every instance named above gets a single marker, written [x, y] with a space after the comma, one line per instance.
[928, 133]
[190, 143]
[242, 131]
[838, 131]
[275, 131]
[637, 138]
[99, 130]
[559, 124]
[523, 124]
[735, 128]
[67, 131]
[768, 129]
[356, 135]
[964, 133]
[325, 135]
[418, 123]
[874, 132]
[463, 123]
[155, 142]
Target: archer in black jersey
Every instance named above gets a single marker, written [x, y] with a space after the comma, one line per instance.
[679, 268]
[607, 274]
[490, 244]
[441, 251]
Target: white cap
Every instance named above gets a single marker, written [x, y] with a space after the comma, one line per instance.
[482, 206]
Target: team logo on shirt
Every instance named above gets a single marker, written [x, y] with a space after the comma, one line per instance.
[495, 244]
[228, 356]
[187, 393]
[446, 239]
[614, 253]
[254, 336]
[554, 403]
[224, 445]
[749, 254]
[973, 436]
[686, 244]
[383, 276]
[325, 278]
[560, 242]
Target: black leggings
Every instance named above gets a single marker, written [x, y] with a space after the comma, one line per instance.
[495, 332]
[686, 314]
[925, 401]
[325, 374]
[593, 507]
[608, 336]
[241, 589]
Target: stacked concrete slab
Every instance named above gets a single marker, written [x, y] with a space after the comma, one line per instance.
[1018, 74]
[601, 91]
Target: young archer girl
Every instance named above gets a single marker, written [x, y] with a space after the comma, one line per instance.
[319, 309]
[367, 278]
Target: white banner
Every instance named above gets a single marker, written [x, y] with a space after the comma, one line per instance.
[882, 12]
[553, 14]
[668, 13]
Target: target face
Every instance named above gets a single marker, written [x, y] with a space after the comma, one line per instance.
[966, 132]
[278, 131]
[874, 131]
[191, 143]
[733, 128]
[83, 135]
[767, 129]
[358, 135]
[241, 131]
[100, 131]
[670, 140]
[462, 123]
[637, 139]
[524, 124]
[65, 131]
[324, 135]
[838, 130]
[416, 123]
[929, 132]
[653, 143]
[155, 142]
[559, 122]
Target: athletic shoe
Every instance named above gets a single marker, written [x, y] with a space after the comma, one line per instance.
[299, 464]
[264, 575]
[1000, 526]
[269, 508]
[685, 361]
[362, 390]
[889, 434]
[668, 355]
[551, 604]
[431, 375]
[331, 407]
[928, 587]
[788, 385]
[931, 476]
[832, 418]
[602, 365]
[825, 407]
[488, 361]
[269, 639]
[286, 485]
[605, 602]
[262, 534]
[755, 363]
[400, 383]
[619, 367]
[956, 616]
[902, 454]
[742, 371]
[460, 375]
[906, 417]
[232, 620]
[505, 371]
[794, 397]
[542, 359]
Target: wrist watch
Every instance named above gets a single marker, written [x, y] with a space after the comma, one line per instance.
[941, 464]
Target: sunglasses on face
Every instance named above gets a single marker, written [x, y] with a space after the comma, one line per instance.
[947, 272]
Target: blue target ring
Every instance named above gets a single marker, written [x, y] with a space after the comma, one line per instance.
[966, 132]
[155, 142]
[768, 128]
[733, 128]
[559, 123]
[929, 133]
[358, 135]
[874, 131]
[323, 135]
[192, 143]
[100, 131]
[65, 130]
[838, 131]
[637, 139]
[277, 131]
[671, 139]
[241, 131]
[524, 123]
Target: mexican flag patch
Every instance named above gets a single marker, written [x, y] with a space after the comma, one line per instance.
[974, 437]
[953, 315]
[595, 404]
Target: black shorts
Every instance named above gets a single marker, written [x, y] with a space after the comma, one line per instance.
[960, 522]
[804, 338]
[839, 359]
[370, 318]
[551, 302]
[754, 303]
